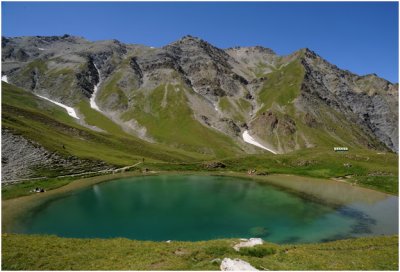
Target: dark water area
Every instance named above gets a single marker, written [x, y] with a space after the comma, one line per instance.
[192, 208]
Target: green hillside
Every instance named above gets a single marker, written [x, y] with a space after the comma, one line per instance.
[50, 126]
[287, 127]
[166, 115]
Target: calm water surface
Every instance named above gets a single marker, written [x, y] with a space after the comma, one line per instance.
[208, 207]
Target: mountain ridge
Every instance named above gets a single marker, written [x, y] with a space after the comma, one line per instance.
[192, 96]
[6, 39]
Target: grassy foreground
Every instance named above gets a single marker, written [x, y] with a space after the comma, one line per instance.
[34, 252]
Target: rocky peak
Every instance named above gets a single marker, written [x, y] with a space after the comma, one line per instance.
[190, 40]
[208, 69]
[52, 39]
[308, 53]
[251, 50]
[189, 46]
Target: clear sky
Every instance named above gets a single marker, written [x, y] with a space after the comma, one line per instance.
[360, 37]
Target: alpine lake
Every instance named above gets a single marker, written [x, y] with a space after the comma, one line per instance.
[279, 209]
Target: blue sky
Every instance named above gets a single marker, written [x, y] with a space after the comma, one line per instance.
[360, 37]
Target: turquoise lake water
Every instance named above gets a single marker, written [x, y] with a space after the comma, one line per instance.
[193, 208]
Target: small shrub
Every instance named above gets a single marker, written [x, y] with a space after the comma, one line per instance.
[217, 251]
[257, 252]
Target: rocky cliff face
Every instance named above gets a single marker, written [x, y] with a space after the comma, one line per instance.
[22, 158]
[286, 102]
[369, 101]
[207, 69]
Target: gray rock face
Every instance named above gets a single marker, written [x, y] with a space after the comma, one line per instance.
[21, 158]
[196, 63]
[88, 78]
[208, 69]
[369, 101]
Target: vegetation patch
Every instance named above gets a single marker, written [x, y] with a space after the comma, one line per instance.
[282, 86]
[388, 184]
[111, 91]
[168, 118]
[42, 252]
[237, 112]
[38, 65]
[25, 188]
[97, 119]
[257, 251]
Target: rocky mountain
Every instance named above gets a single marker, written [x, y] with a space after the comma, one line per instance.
[202, 100]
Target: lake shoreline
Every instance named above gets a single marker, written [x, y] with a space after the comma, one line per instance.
[13, 208]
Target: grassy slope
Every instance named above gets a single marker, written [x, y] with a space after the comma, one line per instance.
[282, 86]
[238, 110]
[111, 89]
[51, 78]
[368, 169]
[168, 118]
[52, 127]
[95, 118]
[38, 252]
[279, 91]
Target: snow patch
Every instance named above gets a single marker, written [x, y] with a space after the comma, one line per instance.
[248, 139]
[41, 49]
[4, 78]
[228, 264]
[248, 243]
[92, 100]
[71, 112]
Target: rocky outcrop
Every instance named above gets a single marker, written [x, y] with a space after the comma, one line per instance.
[208, 69]
[137, 71]
[272, 123]
[228, 264]
[22, 158]
[248, 243]
[87, 78]
[368, 101]
[213, 165]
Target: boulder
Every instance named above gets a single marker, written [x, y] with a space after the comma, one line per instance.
[236, 265]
